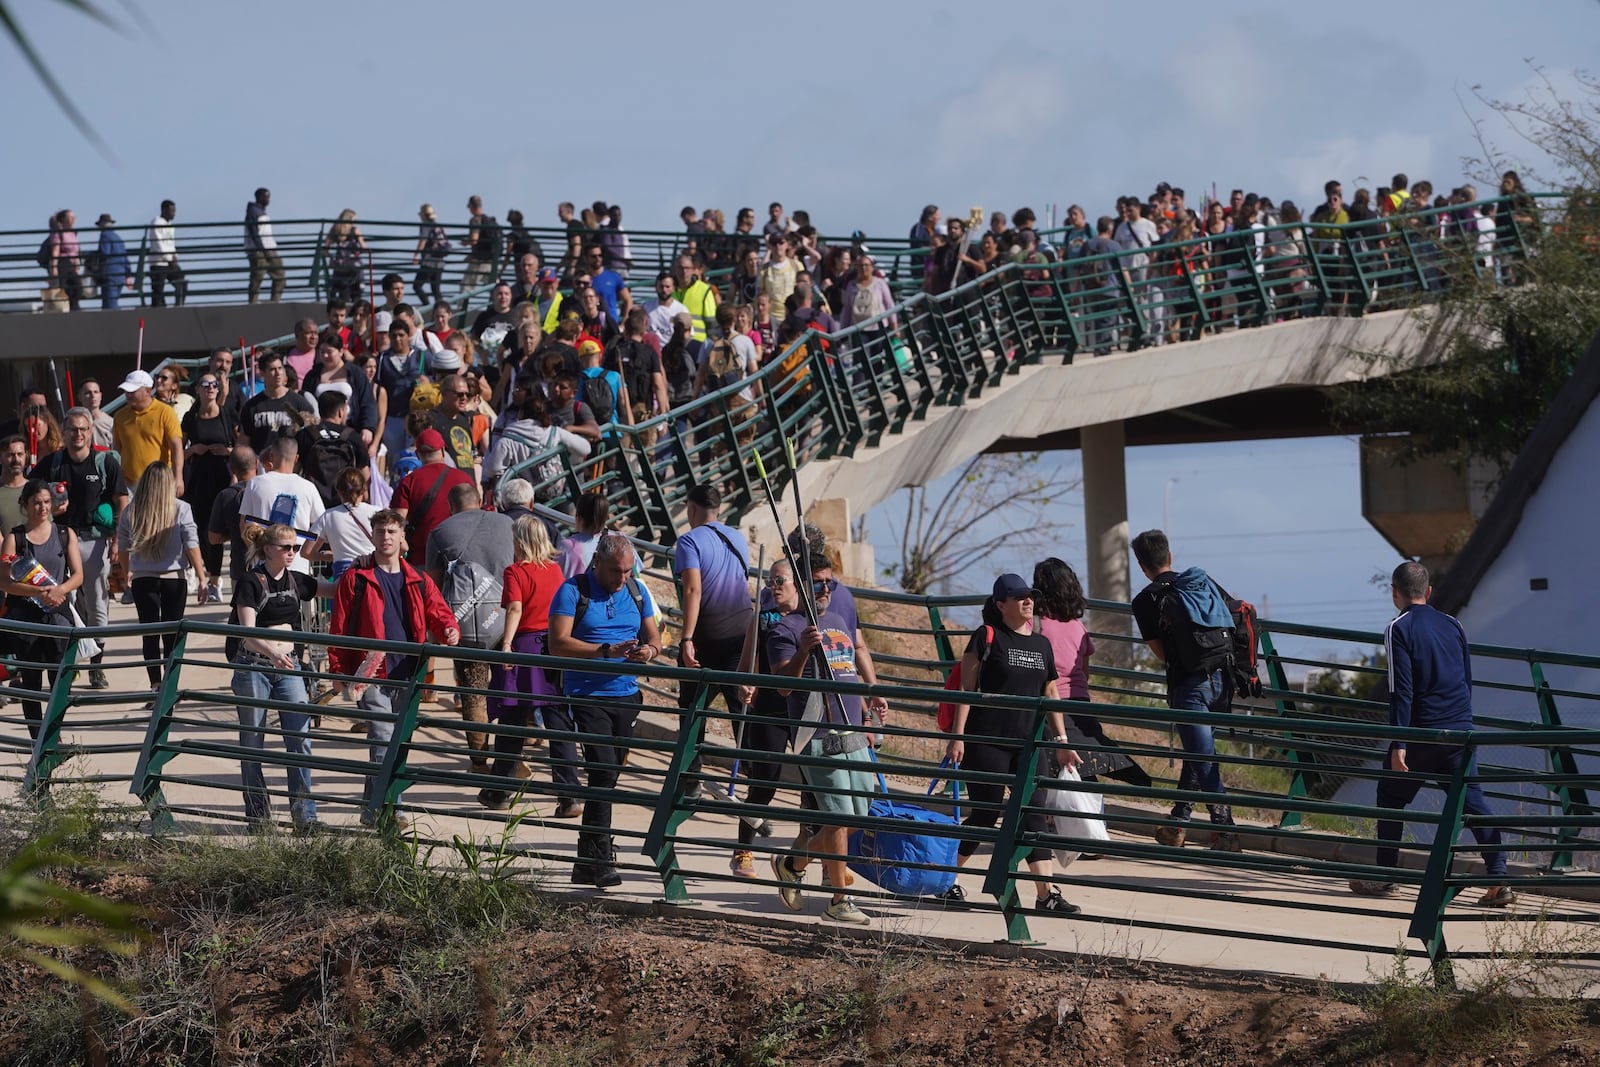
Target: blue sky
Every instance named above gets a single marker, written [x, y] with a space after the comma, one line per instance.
[858, 112]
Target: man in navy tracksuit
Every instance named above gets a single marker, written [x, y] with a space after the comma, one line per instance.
[1430, 686]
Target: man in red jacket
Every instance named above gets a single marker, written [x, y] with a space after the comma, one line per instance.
[384, 598]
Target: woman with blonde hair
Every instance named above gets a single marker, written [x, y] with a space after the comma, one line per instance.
[345, 251]
[156, 534]
[529, 584]
[267, 601]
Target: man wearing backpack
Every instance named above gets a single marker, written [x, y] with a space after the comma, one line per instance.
[605, 613]
[712, 561]
[467, 555]
[95, 495]
[599, 388]
[644, 381]
[483, 241]
[1186, 622]
[731, 358]
[330, 446]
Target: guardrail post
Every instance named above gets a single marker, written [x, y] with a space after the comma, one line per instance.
[1427, 920]
[156, 751]
[1289, 820]
[669, 813]
[1001, 881]
[1574, 798]
[47, 746]
[1133, 314]
[387, 784]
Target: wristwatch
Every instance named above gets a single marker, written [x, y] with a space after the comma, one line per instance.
[605, 650]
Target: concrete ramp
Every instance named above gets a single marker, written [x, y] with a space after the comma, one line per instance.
[1050, 397]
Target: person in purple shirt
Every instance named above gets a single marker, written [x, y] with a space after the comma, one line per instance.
[1430, 687]
[712, 562]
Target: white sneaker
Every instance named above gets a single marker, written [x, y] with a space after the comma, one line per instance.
[213, 594]
[846, 912]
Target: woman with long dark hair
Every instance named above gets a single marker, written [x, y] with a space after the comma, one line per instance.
[1005, 657]
[1058, 618]
[208, 440]
[55, 548]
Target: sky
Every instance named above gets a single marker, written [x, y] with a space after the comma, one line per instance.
[858, 112]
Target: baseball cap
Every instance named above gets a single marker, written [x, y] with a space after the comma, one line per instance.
[1011, 586]
[433, 441]
[136, 380]
[548, 274]
[589, 346]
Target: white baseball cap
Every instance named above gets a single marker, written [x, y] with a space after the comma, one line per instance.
[137, 380]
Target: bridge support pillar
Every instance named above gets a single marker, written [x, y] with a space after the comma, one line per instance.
[1105, 523]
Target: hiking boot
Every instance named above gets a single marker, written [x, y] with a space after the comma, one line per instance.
[1226, 841]
[1498, 896]
[1171, 836]
[1055, 902]
[789, 891]
[567, 808]
[98, 679]
[954, 895]
[1363, 887]
[600, 871]
[694, 789]
[743, 864]
[845, 911]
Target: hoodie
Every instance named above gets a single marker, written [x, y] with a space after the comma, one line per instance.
[1202, 600]
[525, 438]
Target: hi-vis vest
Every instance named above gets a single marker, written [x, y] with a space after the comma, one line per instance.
[552, 316]
[701, 300]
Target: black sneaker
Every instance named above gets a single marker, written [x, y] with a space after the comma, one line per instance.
[694, 789]
[1057, 903]
[954, 895]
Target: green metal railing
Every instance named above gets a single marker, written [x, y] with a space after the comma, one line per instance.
[1535, 766]
[217, 269]
[839, 392]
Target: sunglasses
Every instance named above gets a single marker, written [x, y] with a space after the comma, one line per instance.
[824, 585]
[461, 395]
[208, 384]
[287, 548]
[777, 581]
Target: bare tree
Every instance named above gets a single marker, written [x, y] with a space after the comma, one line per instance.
[940, 535]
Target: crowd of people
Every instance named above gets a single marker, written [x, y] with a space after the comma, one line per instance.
[386, 447]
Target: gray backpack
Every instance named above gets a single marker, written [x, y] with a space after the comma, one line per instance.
[474, 597]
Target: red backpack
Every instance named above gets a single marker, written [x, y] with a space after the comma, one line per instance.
[947, 711]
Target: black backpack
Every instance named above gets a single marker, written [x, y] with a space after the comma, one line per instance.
[594, 390]
[631, 360]
[1195, 649]
[43, 258]
[680, 369]
[491, 236]
[332, 454]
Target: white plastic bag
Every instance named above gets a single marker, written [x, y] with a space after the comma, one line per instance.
[1076, 813]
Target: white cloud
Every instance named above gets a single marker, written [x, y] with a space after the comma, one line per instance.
[1012, 106]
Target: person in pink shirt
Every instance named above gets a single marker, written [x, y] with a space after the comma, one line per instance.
[1058, 617]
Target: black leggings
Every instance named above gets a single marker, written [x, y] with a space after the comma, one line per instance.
[763, 777]
[41, 650]
[983, 798]
[159, 599]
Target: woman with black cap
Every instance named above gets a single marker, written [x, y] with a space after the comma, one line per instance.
[1004, 657]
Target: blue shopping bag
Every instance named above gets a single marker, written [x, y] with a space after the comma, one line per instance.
[882, 856]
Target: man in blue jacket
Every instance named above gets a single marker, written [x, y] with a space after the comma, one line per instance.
[1430, 687]
[112, 275]
[1185, 621]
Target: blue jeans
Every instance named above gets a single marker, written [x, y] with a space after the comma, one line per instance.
[1199, 692]
[259, 683]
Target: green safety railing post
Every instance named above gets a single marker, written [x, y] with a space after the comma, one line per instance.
[919, 371]
[157, 750]
[47, 755]
[670, 814]
[941, 637]
[1574, 798]
[317, 275]
[1319, 276]
[389, 784]
[1061, 290]
[1303, 761]
[1435, 893]
[1364, 289]
[1202, 317]
[1000, 882]
[1257, 270]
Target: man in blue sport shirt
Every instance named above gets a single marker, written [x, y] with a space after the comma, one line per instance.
[611, 286]
[613, 619]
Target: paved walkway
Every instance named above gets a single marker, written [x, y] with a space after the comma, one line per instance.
[1132, 909]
